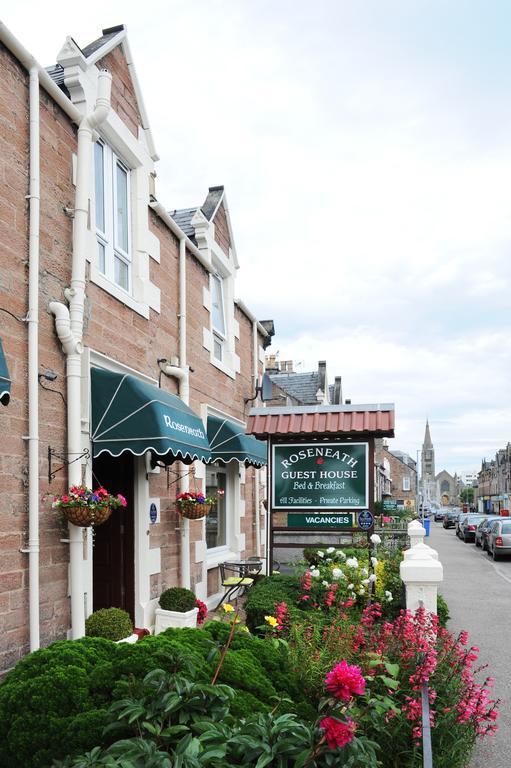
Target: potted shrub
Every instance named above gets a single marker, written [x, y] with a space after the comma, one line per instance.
[110, 623]
[178, 608]
[84, 507]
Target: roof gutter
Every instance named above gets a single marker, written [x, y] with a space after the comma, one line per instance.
[29, 62]
[262, 330]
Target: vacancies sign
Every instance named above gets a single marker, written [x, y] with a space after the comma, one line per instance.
[320, 476]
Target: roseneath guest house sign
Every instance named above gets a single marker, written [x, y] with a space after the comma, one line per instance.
[320, 476]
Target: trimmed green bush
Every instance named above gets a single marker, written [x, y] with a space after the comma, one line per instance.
[110, 623]
[54, 701]
[177, 599]
[262, 597]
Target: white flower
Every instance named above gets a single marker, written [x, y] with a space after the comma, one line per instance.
[341, 554]
[330, 550]
[328, 560]
[325, 583]
[337, 574]
[374, 561]
[351, 586]
[314, 573]
[320, 553]
[364, 572]
[353, 596]
[361, 591]
[388, 594]
[372, 577]
[352, 562]
[375, 538]
[365, 582]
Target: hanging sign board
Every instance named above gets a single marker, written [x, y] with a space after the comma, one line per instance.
[323, 476]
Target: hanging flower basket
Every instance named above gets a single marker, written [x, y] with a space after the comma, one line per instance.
[192, 510]
[194, 505]
[84, 517]
[84, 507]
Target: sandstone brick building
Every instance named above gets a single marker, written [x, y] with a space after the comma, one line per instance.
[120, 329]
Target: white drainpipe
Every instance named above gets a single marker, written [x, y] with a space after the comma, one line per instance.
[69, 327]
[182, 374]
[257, 511]
[33, 363]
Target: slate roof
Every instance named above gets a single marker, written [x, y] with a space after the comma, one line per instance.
[302, 386]
[183, 218]
[107, 35]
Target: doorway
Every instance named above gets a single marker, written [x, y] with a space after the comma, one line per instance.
[113, 554]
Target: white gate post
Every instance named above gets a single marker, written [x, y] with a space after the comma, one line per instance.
[421, 571]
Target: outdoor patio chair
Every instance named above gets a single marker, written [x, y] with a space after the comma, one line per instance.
[238, 577]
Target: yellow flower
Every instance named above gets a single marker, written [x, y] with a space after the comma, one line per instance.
[244, 628]
[228, 608]
[272, 621]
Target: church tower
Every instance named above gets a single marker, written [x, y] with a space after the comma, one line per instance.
[428, 481]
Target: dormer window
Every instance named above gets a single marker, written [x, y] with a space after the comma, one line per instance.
[218, 316]
[112, 205]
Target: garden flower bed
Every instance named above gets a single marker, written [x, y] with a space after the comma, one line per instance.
[334, 679]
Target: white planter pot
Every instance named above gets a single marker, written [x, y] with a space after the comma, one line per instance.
[166, 619]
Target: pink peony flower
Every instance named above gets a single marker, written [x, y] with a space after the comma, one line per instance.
[344, 680]
[337, 733]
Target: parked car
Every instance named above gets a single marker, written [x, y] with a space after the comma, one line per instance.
[449, 518]
[458, 522]
[483, 530]
[469, 526]
[499, 538]
[440, 514]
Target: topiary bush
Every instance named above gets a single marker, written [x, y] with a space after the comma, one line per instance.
[54, 701]
[177, 599]
[110, 623]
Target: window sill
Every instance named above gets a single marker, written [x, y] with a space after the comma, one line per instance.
[218, 556]
[223, 367]
[118, 293]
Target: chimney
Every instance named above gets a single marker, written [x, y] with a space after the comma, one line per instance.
[338, 390]
[270, 364]
[322, 375]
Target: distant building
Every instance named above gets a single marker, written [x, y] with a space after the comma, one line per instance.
[428, 484]
[399, 471]
[301, 388]
[494, 482]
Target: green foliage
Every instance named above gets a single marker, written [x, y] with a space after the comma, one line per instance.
[178, 722]
[110, 623]
[262, 597]
[442, 610]
[177, 599]
[54, 701]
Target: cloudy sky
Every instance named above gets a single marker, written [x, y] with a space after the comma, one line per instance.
[365, 148]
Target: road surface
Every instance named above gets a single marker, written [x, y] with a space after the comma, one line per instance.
[478, 593]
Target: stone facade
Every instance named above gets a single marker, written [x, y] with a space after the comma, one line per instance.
[125, 331]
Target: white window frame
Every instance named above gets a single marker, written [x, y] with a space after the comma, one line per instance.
[212, 551]
[407, 481]
[108, 238]
[219, 334]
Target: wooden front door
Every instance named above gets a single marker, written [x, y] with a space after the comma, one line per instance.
[113, 554]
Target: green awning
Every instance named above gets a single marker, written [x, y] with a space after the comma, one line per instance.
[5, 382]
[228, 441]
[131, 415]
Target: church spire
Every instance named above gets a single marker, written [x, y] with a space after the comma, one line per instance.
[427, 437]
